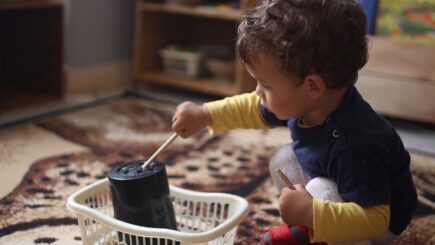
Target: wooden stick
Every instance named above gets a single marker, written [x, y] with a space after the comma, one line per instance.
[169, 141]
[285, 179]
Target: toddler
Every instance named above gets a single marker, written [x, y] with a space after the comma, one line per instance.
[352, 175]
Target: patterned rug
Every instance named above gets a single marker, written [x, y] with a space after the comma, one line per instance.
[42, 163]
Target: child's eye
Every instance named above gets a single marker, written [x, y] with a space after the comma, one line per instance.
[265, 86]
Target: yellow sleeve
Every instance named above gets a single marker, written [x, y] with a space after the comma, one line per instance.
[345, 222]
[239, 111]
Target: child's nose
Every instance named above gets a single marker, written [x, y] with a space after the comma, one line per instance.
[258, 90]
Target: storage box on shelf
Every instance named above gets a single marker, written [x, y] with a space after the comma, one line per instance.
[160, 24]
[221, 70]
[181, 62]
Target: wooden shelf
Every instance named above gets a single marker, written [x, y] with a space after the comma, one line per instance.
[401, 58]
[28, 4]
[399, 79]
[200, 11]
[31, 52]
[160, 24]
[203, 85]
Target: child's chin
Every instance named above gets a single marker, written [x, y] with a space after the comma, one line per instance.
[282, 117]
[278, 115]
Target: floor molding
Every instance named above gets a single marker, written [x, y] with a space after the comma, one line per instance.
[99, 77]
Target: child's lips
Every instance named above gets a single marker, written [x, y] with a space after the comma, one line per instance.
[262, 101]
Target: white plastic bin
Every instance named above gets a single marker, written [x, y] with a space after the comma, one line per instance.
[185, 63]
[202, 218]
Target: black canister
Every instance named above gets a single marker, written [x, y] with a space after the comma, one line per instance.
[141, 196]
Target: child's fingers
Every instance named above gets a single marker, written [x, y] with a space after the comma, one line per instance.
[299, 187]
[176, 125]
[184, 133]
[285, 190]
[302, 188]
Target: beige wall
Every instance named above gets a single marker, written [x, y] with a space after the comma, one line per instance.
[99, 41]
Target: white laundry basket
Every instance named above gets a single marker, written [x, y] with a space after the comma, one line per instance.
[202, 218]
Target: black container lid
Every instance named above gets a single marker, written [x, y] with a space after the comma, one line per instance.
[133, 170]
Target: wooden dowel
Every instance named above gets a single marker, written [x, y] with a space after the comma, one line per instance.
[166, 144]
[285, 179]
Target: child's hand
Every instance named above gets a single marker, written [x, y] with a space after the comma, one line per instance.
[296, 206]
[189, 118]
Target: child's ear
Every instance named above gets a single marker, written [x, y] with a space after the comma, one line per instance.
[315, 85]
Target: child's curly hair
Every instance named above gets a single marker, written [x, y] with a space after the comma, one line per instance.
[326, 37]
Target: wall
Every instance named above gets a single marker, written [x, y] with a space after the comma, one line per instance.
[99, 43]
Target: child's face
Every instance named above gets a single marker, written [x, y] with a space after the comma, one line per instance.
[281, 93]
